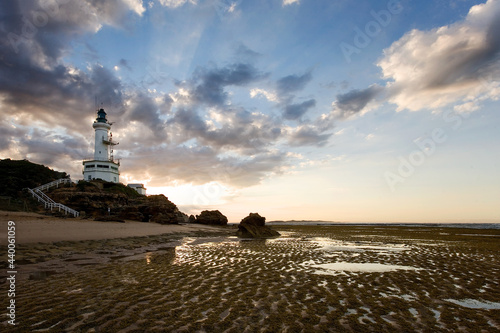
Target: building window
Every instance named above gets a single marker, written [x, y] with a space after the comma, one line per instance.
[115, 179]
[90, 177]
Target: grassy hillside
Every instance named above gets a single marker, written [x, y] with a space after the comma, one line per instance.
[15, 175]
[18, 174]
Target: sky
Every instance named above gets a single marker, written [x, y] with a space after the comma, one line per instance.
[359, 111]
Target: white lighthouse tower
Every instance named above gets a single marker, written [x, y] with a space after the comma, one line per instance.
[102, 166]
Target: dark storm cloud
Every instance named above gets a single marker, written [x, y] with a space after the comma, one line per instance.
[208, 85]
[354, 101]
[293, 83]
[295, 111]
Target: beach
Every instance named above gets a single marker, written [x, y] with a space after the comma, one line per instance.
[311, 279]
[38, 228]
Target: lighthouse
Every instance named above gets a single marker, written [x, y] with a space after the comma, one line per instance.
[102, 166]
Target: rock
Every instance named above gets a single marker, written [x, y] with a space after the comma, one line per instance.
[254, 219]
[96, 197]
[213, 217]
[253, 226]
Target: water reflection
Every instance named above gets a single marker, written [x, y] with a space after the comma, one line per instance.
[327, 244]
[333, 268]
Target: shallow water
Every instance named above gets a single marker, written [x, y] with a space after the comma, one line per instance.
[332, 268]
[374, 279]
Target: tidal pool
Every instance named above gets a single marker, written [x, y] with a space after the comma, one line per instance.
[475, 304]
[333, 268]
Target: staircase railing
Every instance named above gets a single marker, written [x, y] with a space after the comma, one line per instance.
[55, 183]
[47, 201]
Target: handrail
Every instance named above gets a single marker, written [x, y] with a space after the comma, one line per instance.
[44, 196]
[47, 201]
[52, 184]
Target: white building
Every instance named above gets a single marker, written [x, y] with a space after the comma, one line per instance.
[102, 166]
[139, 188]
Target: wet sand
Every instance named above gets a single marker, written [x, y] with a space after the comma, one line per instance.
[34, 228]
[312, 279]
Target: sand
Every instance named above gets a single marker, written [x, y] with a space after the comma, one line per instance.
[440, 280]
[37, 228]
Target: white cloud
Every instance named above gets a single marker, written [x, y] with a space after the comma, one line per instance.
[175, 3]
[270, 96]
[466, 107]
[447, 65]
[289, 2]
[136, 6]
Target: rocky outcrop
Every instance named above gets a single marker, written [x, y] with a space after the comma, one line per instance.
[113, 202]
[213, 217]
[254, 226]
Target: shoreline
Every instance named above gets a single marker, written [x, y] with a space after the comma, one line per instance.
[32, 228]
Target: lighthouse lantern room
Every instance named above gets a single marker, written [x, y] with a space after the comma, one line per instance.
[102, 166]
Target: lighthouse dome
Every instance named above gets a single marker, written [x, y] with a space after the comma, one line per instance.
[101, 116]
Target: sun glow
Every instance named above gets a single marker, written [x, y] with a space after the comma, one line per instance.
[212, 193]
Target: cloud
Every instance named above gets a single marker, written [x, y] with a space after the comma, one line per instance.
[435, 68]
[354, 101]
[201, 164]
[175, 3]
[207, 86]
[142, 108]
[456, 65]
[293, 83]
[295, 111]
[290, 2]
[230, 129]
[124, 63]
[136, 6]
[243, 53]
[188, 135]
[270, 96]
[308, 135]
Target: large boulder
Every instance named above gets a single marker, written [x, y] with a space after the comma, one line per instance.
[157, 208]
[213, 217]
[253, 226]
